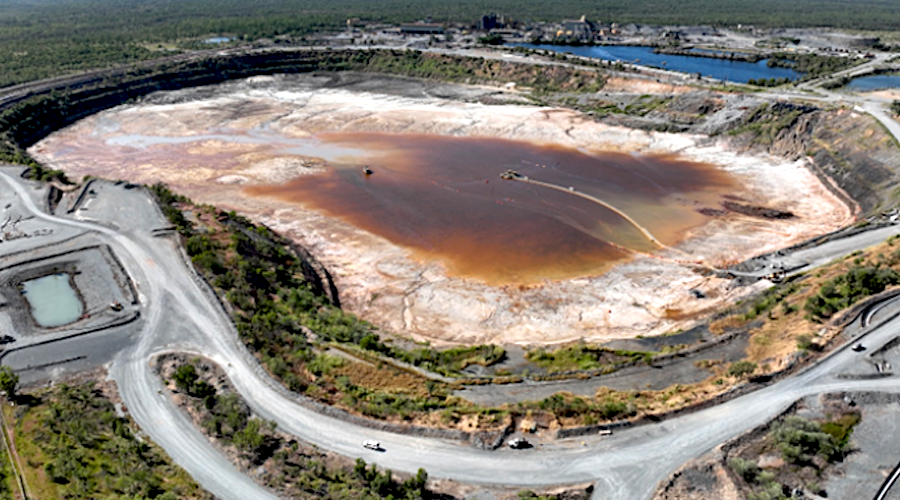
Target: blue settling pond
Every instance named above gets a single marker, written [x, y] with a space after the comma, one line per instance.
[53, 301]
[721, 69]
[218, 39]
[874, 82]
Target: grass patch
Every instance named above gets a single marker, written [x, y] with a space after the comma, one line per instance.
[382, 378]
[8, 487]
[74, 446]
[584, 357]
[740, 369]
[446, 362]
[32, 456]
[841, 428]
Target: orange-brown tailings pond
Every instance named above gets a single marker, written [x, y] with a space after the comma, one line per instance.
[443, 197]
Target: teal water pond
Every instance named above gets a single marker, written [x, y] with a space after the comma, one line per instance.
[52, 299]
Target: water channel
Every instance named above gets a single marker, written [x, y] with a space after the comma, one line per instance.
[874, 82]
[721, 69]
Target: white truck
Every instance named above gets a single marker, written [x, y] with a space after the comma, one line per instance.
[519, 443]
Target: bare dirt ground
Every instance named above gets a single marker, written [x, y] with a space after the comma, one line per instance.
[884, 94]
[633, 85]
[389, 285]
[871, 455]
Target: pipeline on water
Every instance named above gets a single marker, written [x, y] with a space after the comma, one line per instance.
[512, 175]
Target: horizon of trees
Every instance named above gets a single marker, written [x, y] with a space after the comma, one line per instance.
[41, 39]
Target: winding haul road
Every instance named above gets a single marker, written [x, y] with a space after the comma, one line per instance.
[181, 314]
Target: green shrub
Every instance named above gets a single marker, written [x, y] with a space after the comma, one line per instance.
[770, 298]
[491, 39]
[844, 290]
[185, 377]
[584, 357]
[811, 65]
[92, 453]
[799, 440]
[741, 368]
[747, 469]
[9, 381]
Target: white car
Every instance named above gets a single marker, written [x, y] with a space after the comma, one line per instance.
[372, 444]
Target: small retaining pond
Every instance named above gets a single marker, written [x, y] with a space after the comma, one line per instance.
[53, 300]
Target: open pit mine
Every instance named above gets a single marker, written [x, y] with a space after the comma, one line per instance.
[456, 221]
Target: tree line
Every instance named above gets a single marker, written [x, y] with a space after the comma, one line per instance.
[43, 39]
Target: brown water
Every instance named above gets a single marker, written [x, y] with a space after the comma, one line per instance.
[443, 198]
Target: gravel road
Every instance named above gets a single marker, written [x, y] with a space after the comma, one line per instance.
[181, 315]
